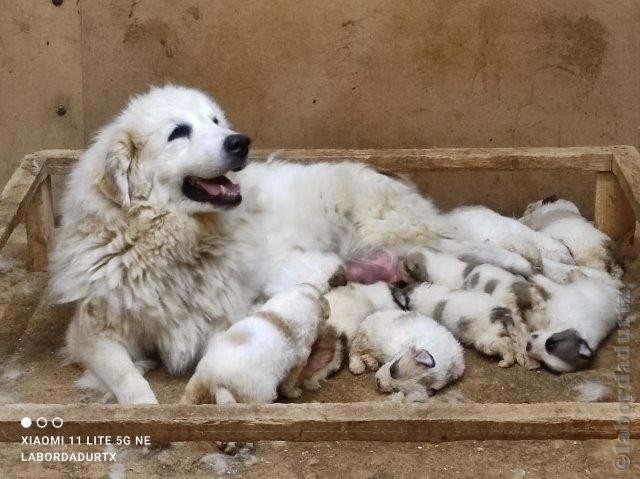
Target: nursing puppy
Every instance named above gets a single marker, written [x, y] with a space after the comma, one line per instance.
[481, 224]
[349, 306]
[426, 264]
[476, 319]
[418, 355]
[248, 362]
[580, 315]
[561, 219]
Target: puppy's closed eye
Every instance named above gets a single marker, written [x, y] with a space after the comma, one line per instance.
[181, 131]
[215, 120]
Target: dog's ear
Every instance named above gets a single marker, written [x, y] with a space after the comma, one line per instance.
[122, 179]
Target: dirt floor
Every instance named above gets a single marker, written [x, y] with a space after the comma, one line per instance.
[31, 370]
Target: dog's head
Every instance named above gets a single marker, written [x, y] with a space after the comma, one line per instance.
[408, 371]
[560, 350]
[172, 146]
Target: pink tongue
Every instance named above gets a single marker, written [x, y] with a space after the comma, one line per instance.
[216, 189]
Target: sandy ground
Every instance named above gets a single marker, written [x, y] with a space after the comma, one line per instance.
[32, 332]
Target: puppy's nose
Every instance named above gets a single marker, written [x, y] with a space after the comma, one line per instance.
[237, 145]
[529, 346]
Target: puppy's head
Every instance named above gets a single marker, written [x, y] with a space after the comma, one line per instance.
[172, 146]
[551, 203]
[560, 350]
[408, 371]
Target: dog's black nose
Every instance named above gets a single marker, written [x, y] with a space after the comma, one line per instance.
[237, 145]
[528, 346]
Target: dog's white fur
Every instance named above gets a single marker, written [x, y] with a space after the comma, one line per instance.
[481, 224]
[153, 271]
[476, 319]
[268, 349]
[561, 219]
[587, 309]
[407, 339]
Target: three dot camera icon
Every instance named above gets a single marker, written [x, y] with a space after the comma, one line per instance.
[41, 422]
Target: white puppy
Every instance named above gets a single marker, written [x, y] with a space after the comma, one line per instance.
[349, 306]
[481, 224]
[268, 349]
[561, 219]
[419, 355]
[476, 319]
[581, 314]
[426, 264]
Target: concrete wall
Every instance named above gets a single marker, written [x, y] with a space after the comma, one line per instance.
[337, 73]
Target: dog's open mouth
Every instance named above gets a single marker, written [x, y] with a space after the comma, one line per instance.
[219, 191]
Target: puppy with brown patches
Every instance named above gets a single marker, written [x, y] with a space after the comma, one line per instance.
[261, 353]
[349, 305]
[427, 264]
[580, 315]
[561, 219]
[476, 319]
[526, 301]
[419, 355]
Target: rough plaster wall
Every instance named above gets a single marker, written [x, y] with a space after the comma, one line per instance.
[40, 68]
[357, 73]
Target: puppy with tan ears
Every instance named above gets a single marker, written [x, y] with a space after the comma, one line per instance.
[561, 219]
[581, 314]
[261, 353]
[476, 319]
[419, 355]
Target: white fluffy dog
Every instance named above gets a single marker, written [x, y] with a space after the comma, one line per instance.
[268, 349]
[162, 245]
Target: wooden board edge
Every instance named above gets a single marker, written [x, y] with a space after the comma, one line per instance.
[368, 421]
[18, 193]
[626, 168]
[412, 160]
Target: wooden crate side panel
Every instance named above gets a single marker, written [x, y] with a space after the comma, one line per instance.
[369, 421]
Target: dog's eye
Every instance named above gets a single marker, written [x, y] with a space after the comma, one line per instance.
[215, 120]
[550, 344]
[180, 131]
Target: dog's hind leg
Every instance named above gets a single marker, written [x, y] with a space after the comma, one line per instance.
[112, 364]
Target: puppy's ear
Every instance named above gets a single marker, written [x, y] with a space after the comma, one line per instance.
[584, 350]
[122, 179]
[423, 357]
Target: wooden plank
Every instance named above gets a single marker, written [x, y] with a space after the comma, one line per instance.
[17, 194]
[612, 213]
[372, 421]
[406, 161]
[626, 167]
[40, 226]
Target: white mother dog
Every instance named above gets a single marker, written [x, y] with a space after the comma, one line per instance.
[162, 244]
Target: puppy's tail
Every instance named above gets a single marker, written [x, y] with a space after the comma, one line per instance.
[223, 396]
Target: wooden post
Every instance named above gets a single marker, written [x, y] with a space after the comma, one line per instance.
[40, 226]
[612, 213]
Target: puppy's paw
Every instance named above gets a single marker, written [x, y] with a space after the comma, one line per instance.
[371, 362]
[311, 384]
[356, 365]
[291, 392]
